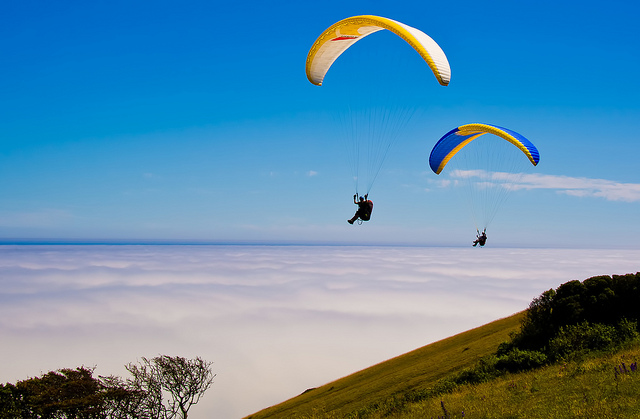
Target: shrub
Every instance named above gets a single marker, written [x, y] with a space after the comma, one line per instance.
[580, 338]
[627, 330]
[517, 360]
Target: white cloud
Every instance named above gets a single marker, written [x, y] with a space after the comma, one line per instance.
[584, 187]
[573, 186]
[274, 320]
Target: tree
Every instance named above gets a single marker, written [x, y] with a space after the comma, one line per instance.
[184, 382]
[70, 393]
[122, 401]
[9, 401]
[537, 324]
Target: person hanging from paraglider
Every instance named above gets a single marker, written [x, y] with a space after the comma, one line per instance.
[481, 239]
[365, 207]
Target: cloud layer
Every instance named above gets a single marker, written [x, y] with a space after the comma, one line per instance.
[274, 320]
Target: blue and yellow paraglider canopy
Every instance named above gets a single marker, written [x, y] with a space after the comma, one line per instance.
[455, 140]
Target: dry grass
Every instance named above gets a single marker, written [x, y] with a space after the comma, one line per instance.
[414, 371]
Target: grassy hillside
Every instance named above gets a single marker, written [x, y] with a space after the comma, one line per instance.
[414, 371]
[566, 356]
[598, 386]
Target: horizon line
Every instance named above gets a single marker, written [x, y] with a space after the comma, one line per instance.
[266, 243]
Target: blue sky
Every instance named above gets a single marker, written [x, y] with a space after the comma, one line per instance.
[195, 121]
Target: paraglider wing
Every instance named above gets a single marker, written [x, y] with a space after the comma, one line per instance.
[455, 140]
[343, 34]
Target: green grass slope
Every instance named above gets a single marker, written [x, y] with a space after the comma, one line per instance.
[597, 386]
[414, 371]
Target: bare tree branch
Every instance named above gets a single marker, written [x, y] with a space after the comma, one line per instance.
[184, 380]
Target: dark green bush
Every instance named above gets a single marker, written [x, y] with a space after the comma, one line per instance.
[627, 330]
[601, 299]
[586, 337]
[518, 360]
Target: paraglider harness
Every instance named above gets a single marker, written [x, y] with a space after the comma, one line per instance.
[481, 239]
[365, 208]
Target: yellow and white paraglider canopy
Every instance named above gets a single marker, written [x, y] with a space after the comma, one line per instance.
[343, 34]
[376, 89]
